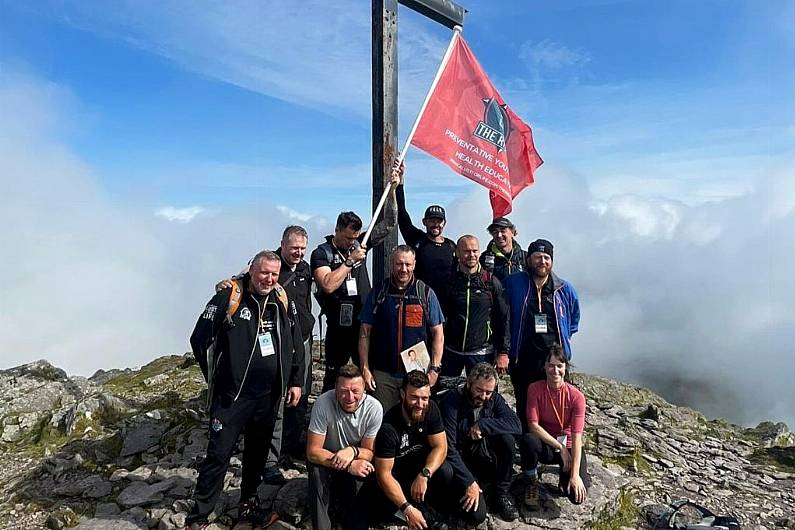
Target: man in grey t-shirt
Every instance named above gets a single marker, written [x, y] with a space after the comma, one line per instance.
[339, 449]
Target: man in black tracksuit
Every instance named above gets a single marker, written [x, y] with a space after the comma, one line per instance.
[482, 431]
[476, 327]
[250, 359]
[435, 253]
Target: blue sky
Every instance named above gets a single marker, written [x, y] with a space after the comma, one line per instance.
[148, 140]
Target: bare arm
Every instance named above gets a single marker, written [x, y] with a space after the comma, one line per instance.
[438, 443]
[544, 436]
[315, 452]
[364, 355]
[437, 344]
[387, 482]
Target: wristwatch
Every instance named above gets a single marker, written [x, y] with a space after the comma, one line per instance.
[404, 506]
[349, 262]
[435, 368]
[425, 472]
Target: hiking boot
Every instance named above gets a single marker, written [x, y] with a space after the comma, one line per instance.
[273, 476]
[504, 507]
[250, 512]
[531, 498]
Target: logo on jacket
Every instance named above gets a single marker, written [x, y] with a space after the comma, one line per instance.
[245, 314]
[209, 311]
[495, 126]
[216, 425]
[404, 440]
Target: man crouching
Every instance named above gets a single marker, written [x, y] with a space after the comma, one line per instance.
[339, 449]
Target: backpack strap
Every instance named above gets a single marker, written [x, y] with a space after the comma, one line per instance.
[235, 296]
[281, 296]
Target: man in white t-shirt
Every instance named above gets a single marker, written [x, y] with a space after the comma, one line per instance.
[339, 449]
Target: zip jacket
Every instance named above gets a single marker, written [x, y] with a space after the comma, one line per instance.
[225, 348]
[298, 284]
[504, 265]
[476, 314]
[496, 417]
[520, 292]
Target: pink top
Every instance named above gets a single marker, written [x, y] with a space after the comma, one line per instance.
[557, 411]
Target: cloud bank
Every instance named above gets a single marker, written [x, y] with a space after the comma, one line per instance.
[691, 300]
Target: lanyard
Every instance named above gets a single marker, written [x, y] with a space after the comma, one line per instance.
[564, 394]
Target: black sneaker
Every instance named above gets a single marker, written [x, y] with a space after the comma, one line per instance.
[504, 507]
[249, 511]
[273, 476]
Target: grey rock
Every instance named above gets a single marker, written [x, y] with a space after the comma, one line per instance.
[107, 509]
[142, 494]
[141, 436]
[110, 524]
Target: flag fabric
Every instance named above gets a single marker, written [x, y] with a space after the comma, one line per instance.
[467, 125]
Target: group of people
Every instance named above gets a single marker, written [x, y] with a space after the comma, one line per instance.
[386, 440]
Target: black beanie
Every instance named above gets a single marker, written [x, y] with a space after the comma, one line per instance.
[540, 245]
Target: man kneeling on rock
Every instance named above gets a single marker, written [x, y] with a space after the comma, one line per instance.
[410, 452]
[251, 353]
[481, 442]
[339, 450]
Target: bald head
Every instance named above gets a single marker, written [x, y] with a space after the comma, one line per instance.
[467, 250]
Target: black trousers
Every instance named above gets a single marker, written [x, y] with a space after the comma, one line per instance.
[437, 497]
[328, 486]
[535, 451]
[493, 468]
[341, 345]
[254, 418]
[522, 374]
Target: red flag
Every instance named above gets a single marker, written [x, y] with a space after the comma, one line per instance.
[468, 126]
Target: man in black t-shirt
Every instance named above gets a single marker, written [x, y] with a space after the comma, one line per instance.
[435, 253]
[339, 269]
[410, 452]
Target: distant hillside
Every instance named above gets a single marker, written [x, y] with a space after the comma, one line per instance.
[120, 451]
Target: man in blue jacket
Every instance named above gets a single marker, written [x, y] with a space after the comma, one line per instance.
[544, 310]
[481, 442]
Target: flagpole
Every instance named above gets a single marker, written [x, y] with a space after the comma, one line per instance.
[402, 155]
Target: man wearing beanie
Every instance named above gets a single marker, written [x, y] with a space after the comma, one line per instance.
[544, 310]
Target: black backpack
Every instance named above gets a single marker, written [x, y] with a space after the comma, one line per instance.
[708, 519]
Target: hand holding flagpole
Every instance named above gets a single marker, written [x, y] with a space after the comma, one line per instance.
[402, 154]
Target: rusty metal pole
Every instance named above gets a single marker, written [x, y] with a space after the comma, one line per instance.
[385, 92]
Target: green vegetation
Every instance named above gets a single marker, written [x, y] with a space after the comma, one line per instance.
[781, 458]
[633, 461]
[626, 514]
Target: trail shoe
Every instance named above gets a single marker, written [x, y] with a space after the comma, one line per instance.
[531, 498]
[250, 512]
[504, 507]
[273, 476]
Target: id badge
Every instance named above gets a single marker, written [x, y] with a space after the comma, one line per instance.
[346, 315]
[488, 262]
[540, 320]
[562, 439]
[350, 287]
[266, 344]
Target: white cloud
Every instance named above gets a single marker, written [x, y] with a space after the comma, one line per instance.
[551, 55]
[179, 215]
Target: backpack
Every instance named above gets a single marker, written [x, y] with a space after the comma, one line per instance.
[708, 519]
[236, 296]
[422, 294]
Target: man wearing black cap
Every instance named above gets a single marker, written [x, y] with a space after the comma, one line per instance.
[504, 256]
[435, 253]
[544, 310]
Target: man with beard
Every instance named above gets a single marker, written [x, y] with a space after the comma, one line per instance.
[504, 256]
[410, 452]
[544, 310]
[435, 253]
[340, 273]
[250, 357]
[339, 450]
[296, 278]
[396, 316]
[481, 442]
[476, 315]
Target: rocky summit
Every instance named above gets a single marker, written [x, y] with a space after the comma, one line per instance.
[120, 450]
